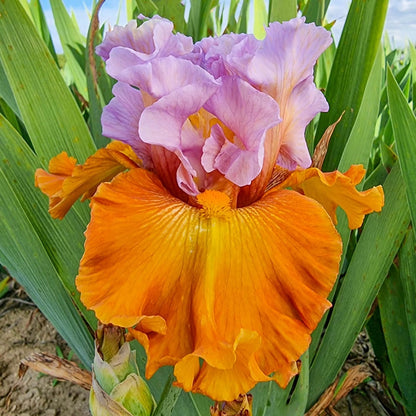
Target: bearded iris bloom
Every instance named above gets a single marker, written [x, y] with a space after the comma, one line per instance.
[211, 238]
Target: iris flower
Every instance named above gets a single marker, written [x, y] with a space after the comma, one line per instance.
[211, 236]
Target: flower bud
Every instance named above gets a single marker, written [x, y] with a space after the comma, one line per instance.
[117, 388]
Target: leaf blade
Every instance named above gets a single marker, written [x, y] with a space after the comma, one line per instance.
[57, 123]
[352, 65]
[397, 337]
[73, 44]
[27, 257]
[282, 10]
[62, 240]
[404, 129]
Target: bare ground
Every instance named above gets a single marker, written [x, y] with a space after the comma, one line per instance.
[24, 330]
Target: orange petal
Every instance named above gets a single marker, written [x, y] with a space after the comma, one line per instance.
[60, 168]
[66, 181]
[241, 289]
[335, 189]
[227, 384]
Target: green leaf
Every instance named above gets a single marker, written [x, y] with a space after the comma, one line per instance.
[237, 16]
[378, 244]
[396, 333]
[9, 115]
[36, 251]
[232, 11]
[407, 272]
[26, 7]
[243, 17]
[388, 157]
[199, 15]
[352, 65]
[269, 399]
[404, 128]
[282, 10]
[168, 399]
[360, 141]
[357, 151]
[412, 53]
[378, 175]
[4, 286]
[63, 240]
[147, 8]
[73, 44]
[192, 404]
[130, 6]
[39, 20]
[323, 67]
[47, 108]
[402, 77]
[260, 18]
[315, 11]
[172, 10]
[6, 92]
[375, 331]
[296, 401]
[28, 262]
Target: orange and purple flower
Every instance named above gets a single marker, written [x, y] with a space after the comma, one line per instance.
[195, 242]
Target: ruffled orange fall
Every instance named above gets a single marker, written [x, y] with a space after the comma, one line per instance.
[240, 288]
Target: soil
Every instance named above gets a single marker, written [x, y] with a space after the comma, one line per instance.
[24, 330]
[368, 398]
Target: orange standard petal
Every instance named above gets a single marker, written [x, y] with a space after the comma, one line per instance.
[237, 289]
[335, 189]
[66, 181]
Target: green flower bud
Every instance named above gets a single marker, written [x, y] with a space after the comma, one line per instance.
[117, 388]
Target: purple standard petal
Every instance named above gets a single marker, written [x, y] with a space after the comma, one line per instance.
[285, 57]
[152, 38]
[161, 76]
[283, 67]
[240, 167]
[185, 89]
[120, 119]
[215, 52]
[305, 102]
[236, 144]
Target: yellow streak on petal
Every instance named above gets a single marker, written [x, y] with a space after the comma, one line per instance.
[202, 121]
[335, 189]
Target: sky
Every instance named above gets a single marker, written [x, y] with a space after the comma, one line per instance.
[400, 21]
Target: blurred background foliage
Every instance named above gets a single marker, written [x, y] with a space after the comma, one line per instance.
[52, 102]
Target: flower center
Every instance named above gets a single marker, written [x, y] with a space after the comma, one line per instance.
[215, 203]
